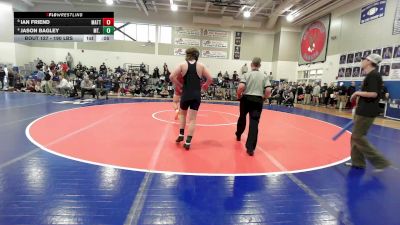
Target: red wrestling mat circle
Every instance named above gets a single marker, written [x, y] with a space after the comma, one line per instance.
[141, 137]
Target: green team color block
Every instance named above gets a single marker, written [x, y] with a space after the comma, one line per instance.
[108, 30]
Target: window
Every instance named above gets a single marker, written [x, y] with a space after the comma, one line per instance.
[130, 30]
[142, 32]
[117, 34]
[152, 33]
[165, 35]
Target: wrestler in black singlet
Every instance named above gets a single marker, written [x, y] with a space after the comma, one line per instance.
[191, 90]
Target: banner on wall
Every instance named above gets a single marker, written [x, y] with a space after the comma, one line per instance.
[187, 41]
[395, 70]
[188, 31]
[215, 33]
[238, 42]
[314, 41]
[387, 53]
[238, 38]
[396, 22]
[373, 11]
[214, 54]
[179, 51]
[214, 44]
[385, 69]
[396, 53]
[350, 63]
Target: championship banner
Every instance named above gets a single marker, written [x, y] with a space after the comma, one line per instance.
[396, 22]
[236, 53]
[187, 41]
[214, 54]
[179, 51]
[188, 31]
[215, 33]
[238, 42]
[214, 44]
[238, 38]
[314, 41]
[373, 11]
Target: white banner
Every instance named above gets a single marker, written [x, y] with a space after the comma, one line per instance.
[187, 41]
[179, 51]
[215, 33]
[214, 44]
[214, 54]
[188, 31]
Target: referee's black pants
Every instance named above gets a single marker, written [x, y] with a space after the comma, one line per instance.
[253, 106]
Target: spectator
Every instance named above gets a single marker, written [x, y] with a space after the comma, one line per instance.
[288, 97]
[244, 68]
[87, 86]
[143, 68]
[69, 60]
[2, 76]
[63, 87]
[235, 76]
[156, 72]
[300, 93]
[324, 89]
[307, 96]
[101, 88]
[103, 69]
[226, 76]
[330, 95]
[316, 94]
[342, 96]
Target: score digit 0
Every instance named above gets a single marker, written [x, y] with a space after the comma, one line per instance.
[108, 21]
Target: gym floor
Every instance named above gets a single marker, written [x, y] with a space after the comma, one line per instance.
[115, 162]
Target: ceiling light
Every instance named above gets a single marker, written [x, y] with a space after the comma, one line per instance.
[174, 7]
[109, 2]
[290, 18]
[246, 14]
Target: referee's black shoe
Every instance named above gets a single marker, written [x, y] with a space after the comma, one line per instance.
[250, 152]
[180, 138]
[186, 146]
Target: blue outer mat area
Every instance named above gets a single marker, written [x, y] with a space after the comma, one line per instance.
[37, 187]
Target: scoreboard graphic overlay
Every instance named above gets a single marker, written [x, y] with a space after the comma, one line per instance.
[63, 26]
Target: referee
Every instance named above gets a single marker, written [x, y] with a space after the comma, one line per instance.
[253, 89]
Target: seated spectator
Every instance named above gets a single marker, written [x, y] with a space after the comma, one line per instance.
[164, 92]
[219, 94]
[64, 87]
[18, 82]
[101, 89]
[288, 98]
[275, 96]
[30, 85]
[87, 86]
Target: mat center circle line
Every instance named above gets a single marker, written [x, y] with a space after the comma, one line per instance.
[154, 115]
